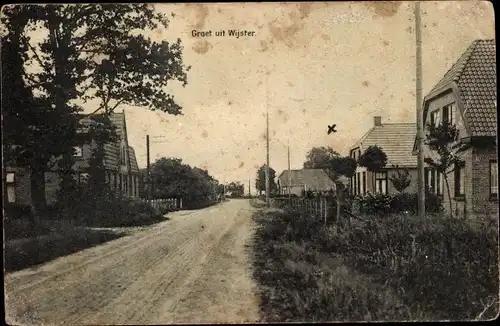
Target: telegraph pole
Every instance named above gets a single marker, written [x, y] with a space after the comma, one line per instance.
[420, 127]
[289, 176]
[249, 189]
[148, 168]
[267, 145]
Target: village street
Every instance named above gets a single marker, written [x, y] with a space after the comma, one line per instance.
[193, 268]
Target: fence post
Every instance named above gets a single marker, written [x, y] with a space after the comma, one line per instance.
[326, 210]
[180, 205]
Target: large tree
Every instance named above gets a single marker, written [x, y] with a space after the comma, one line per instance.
[236, 188]
[174, 179]
[90, 52]
[260, 181]
[320, 158]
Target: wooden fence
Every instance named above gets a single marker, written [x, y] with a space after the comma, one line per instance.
[320, 207]
[169, 204]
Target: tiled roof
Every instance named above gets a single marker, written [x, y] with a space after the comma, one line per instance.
[133, 160]
[395, 139]
[475, 76]
[314, 179]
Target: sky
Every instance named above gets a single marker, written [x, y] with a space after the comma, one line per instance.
[310, 65]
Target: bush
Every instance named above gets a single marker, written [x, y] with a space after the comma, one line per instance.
[386, 204]
[433, 266]
[106, 209]
[17, 211]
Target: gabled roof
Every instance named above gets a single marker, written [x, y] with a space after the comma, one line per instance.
[395, 139]
[474, 73]
[312, 178]
[134, 168]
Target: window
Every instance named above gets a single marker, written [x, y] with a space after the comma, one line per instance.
[493, 179]
[381, 182]
[359, 183]
[11, 188]
[364, 183]
[77, 151]
[435, 118]
[448, 113]
[434, 181]
[460, 180]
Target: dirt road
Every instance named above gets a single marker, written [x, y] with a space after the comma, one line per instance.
[194, 268]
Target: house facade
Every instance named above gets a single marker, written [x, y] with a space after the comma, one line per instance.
[466, 97]
[304, 180]
[396, 140]
[122, 172]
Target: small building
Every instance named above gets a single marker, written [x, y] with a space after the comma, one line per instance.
[396, 140]
[466, 96]
[304, 180]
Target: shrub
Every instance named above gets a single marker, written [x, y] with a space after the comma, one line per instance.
[384, 204]
[17, 211]
[107, 209]
[433, 266]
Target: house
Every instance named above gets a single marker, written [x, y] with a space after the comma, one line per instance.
[122, 171]
[304, 180]
[466, 97]
[396, 140]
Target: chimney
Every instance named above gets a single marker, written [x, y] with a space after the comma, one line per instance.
[377, 121]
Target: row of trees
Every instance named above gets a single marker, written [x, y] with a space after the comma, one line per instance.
[89, 53]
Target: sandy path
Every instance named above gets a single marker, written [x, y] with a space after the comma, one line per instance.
[193, 268]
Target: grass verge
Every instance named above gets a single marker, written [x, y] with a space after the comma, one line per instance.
[386, 270]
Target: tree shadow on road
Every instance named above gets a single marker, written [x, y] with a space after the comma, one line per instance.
[24, 253]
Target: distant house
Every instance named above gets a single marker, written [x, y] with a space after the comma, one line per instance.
[304, 180]
[396, 140]
[122, 172]
[466, 96]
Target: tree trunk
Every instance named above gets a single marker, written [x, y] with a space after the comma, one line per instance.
[38, 198]
[449, 194]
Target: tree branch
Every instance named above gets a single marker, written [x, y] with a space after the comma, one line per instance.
[40, 62]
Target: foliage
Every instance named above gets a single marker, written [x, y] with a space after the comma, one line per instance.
[91, 52]
[409, 269]
[260, 182]
[237, 189]
[344, 165]
[400, 179]
[373, 158]
[174, 179]
[330, 161]
[442, 140]
[385, 204]
[320, 158]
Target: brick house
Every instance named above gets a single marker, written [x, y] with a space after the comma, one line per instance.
[396, 140]
[466, 97]
[303, 180]
[122, 172]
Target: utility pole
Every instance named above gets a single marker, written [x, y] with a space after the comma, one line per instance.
[249, 189]
[267, 141]
[148, 168]
[420, 118]
[289, 177]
